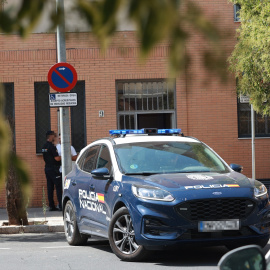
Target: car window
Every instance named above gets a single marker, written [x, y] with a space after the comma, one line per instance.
[167, 157]
[90, 158]
[80, 161]
[104, 159]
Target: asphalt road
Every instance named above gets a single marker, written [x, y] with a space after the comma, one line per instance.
[51, 251]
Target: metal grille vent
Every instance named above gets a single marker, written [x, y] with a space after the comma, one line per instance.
[216, 209]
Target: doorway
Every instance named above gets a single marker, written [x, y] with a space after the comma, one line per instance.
[154, 120]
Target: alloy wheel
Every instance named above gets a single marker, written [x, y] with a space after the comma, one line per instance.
[69, 221]
[124, 236]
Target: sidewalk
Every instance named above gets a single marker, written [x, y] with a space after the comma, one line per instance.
[53, 219]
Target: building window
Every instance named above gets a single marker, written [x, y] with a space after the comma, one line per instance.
[9, 102]
[145, 103]
[9, 108]
[42, 112]
[262, 123]
[236, 11]
[78, 118]
[43, 118]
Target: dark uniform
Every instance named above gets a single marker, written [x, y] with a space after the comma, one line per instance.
[52, 174]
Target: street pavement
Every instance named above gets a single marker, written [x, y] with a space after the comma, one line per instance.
[44, 246]
[30, 251]
[43, 251]
[40, 222]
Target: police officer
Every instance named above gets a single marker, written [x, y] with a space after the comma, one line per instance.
[52, 165]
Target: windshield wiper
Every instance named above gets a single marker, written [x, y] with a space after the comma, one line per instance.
[141, 173]
[195, 171]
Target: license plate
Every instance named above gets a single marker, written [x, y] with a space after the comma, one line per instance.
[220, 225]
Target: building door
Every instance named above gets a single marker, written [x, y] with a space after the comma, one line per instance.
[154, 120]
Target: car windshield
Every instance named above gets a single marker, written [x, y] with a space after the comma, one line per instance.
[167, 157]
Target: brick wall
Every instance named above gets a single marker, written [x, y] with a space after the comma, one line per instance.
[206, 108]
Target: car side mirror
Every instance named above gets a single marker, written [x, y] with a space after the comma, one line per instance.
[244, 258]
[101, 173]
[236, 167]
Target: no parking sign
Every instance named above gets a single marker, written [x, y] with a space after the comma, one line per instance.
[62, 77]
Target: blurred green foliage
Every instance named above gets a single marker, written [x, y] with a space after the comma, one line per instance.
[155, 21]
[8, 156]
[250, 60]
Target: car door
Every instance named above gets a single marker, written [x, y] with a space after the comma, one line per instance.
[104, 192]
[85, 194]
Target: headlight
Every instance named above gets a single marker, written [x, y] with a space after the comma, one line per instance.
[151, 193]
[260, 190]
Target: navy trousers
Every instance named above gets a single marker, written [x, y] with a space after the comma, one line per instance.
[54, 179]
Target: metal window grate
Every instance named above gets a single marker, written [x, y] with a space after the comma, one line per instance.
[262, 123]
[145, 95]
[151, 96]
[42, 113]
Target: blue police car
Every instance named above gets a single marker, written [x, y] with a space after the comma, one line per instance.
[151, 189]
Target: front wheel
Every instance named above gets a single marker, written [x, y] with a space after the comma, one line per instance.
[122, 237]
[73, 236]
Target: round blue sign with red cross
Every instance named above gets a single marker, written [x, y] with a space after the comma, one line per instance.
[62, 77]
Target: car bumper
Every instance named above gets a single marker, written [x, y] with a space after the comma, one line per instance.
[156, 229]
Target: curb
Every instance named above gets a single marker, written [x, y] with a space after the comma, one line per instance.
[31, 229]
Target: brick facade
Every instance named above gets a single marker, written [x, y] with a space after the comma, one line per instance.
[207, 111]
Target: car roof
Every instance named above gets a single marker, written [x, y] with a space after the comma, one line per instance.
[152, 138]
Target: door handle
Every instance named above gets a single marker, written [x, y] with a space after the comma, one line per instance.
[73, 182]
[92, 187]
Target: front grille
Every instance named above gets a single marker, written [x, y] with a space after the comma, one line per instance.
[194, 234]
[216, 209]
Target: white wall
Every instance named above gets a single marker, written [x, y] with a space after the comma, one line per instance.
[74, 22]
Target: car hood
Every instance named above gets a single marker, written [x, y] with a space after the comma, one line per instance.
[189, 181]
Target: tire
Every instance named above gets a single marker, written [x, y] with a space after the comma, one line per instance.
[122, 237]
[73, 236]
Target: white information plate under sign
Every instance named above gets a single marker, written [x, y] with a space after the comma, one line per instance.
[244, 99]
[63, 99]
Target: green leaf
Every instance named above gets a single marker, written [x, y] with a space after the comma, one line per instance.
[250, 60]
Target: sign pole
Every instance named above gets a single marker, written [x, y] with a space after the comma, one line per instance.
[253, 141]
[245, 99]
[64, 111]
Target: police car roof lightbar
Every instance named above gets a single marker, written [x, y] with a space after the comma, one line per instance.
[145, 131]
[169, 131]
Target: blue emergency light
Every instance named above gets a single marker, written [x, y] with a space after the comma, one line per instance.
[126, 131]
[169, 131]
[145, 131]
